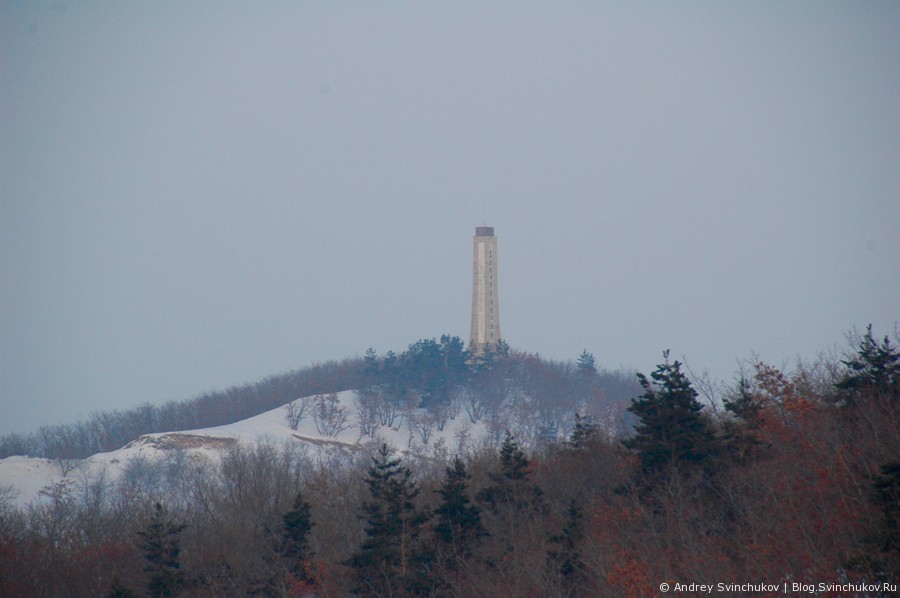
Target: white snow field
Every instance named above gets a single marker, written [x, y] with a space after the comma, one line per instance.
[27, 476]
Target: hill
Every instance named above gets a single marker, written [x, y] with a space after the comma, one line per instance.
[31, 478]
[438, 374]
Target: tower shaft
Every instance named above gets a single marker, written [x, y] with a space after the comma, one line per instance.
[485, 288]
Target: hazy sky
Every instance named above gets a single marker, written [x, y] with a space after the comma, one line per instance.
[200, 194]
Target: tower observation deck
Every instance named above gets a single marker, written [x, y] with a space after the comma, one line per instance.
[485, 288]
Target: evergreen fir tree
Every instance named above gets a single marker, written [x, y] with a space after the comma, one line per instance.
[370, 365]
[480, 358]
[511, 487]
[513, 470]
[458, 525]
[391, 561]
[458, 529]
[743, 405]
[564, 558]
[585, 383]
[455, 356]
[586, 363]
[582, 432]
[875, 368]
[672, 431]
[513, 462]
[297, 524]
[161, 550]
[741, 435]
[391, 378]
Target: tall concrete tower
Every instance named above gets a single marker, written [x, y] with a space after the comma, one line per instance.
[485, 288]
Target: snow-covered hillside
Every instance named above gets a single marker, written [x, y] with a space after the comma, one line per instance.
[341, 430]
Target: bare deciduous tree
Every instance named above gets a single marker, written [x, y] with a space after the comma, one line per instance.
[422, 424]
[330, 416]
[296, 410]
[368, 407]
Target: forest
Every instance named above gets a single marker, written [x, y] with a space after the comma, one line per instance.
[607, 485]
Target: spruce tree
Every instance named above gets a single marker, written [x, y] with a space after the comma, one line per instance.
[741, 438]
[875, 369]
[586, 363]
[672, 431]
[457, 529]
[513, 462]
[161, 550]
[511, 487]
[297, 524]
[458, 526]
[582, 432]
[373, 376]
[564, 558]
[742, 403]
[391, 561]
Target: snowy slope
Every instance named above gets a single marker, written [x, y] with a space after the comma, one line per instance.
[28, 476]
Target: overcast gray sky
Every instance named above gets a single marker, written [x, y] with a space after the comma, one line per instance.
[200, 194]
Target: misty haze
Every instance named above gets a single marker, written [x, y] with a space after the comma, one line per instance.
[254, 258]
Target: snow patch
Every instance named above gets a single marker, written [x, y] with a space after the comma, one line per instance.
[28, 476]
